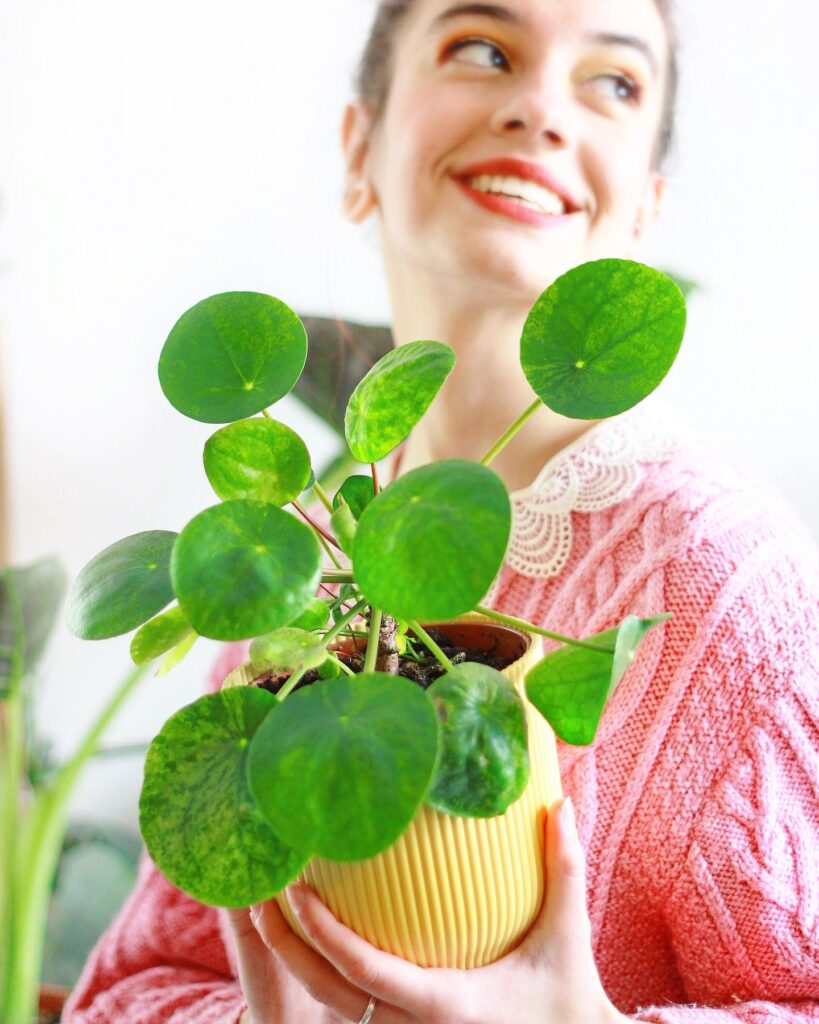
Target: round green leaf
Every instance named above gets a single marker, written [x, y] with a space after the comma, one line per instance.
[357, 491]
[244, 568]
[314, 616]
[341, 767]
[393, 396]
[602, 337]
[570, 686]
[159, 635]
[483, 764]
[176, 654]
[430, 545]
[231, 356]
[288, 648]
[257, 458]
[199, 821]
[344, 526]
[122, 587]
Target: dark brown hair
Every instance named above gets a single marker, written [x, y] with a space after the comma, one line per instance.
[374, 72]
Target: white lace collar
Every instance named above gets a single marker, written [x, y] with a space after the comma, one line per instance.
[600, 469]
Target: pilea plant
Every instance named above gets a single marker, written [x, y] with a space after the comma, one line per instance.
[242, 788]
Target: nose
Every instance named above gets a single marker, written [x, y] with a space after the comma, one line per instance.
[533, 108]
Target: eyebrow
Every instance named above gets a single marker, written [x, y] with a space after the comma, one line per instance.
[505, 14]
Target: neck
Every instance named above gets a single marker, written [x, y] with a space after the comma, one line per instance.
[486, 391]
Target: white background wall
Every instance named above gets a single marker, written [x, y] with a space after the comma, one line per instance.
[155, 153]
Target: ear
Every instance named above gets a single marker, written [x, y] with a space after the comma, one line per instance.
[649, 209]
[359, 194]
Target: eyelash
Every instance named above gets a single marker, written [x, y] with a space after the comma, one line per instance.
[635, 91]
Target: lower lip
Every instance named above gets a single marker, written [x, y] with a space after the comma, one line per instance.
[512, 208]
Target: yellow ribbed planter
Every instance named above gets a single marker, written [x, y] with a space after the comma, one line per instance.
[450, 892]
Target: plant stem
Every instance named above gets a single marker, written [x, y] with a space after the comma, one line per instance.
[376, 488]
[341, 665]
[507, 436]
[319, 529]
[339, 576]
[329, 551]
[40, 842]
[430, 643]
[333, 632]
[321, 494]
[372, 643]
[510, 620]
[266, 413]
[291, 682]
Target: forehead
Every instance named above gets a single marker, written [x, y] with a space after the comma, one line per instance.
[553, 20]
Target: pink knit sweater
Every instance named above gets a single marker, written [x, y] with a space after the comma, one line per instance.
[697, 803]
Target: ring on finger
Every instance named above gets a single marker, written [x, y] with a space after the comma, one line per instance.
[368, 1013]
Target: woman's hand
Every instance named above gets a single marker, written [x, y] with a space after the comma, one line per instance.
[272, 994]
[550, 977]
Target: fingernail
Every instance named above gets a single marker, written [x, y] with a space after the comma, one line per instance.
[567, 814]
[295, 897]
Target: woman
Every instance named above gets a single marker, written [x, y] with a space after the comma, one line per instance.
[499, 145]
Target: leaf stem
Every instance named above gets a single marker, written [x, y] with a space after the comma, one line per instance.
[430, 643]
[329, 552]
[510, 620]
[507, 436]
[341, 665]
[321, 494]
[333, 632]
[337, 576]
[319, 529]
[376, 487]
[372, 643]
[291, 682]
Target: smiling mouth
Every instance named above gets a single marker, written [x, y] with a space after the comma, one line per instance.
[528, 193]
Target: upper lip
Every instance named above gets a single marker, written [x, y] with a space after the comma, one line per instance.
[514, 167]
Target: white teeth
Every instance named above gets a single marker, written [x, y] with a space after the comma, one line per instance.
[528, 192]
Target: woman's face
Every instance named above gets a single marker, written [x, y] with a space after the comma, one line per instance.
[517, 138]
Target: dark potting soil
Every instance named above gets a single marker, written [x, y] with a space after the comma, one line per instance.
[423, 672]
[49, 1018]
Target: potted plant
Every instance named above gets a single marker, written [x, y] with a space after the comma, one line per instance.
[383, 791]
[33, 802]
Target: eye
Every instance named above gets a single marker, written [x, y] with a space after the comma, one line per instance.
[619, 87]
[479, 52]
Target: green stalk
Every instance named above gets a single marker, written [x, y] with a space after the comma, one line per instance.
[333, 632]
[291, 682]
[13, 756]
[436, 650]
[329, 551]
[341, 665]
[510, 620]
[40, 844]
[372, 643]
[507, 436]
[321, 494]
[337, 576]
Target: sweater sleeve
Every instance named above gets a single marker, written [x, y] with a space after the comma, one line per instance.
[163, 961]
[744, 912]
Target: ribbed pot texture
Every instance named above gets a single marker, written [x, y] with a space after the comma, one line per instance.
[452, 891]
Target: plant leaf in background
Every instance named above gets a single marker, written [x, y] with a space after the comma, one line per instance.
[244, 568]
[232, 355]
[344, 526]
[30, 596]
[377, 729]
[257, 458]
[429, 545]
[314, 616]
[570, 686]
[393, 396]
[357, 491]
[199, 821]
[484, 759]
[159, 635]
[122, 587]
[602, 337]
[288, 648]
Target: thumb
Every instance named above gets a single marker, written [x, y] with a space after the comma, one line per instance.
[564, 916]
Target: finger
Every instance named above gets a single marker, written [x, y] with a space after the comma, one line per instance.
[421, 992]
[319, 977]
[565, 913]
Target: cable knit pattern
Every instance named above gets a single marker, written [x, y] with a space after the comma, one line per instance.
[697, 804]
